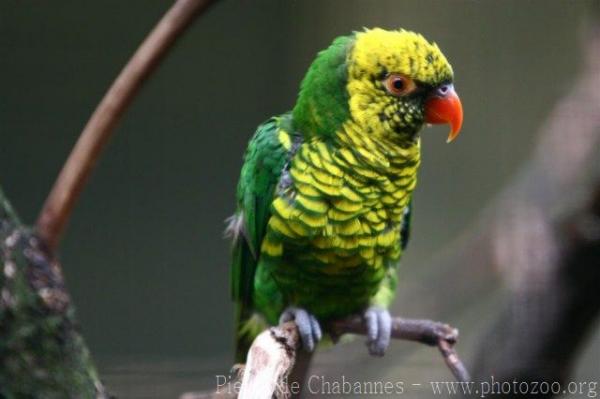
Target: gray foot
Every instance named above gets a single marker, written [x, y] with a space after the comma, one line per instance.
[308, 326]
[379, 330]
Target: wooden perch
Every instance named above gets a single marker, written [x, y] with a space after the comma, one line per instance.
[273, 353]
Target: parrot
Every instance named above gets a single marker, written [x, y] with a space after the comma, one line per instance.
[324, 197]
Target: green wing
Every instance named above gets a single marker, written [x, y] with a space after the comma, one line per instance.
[264, 162]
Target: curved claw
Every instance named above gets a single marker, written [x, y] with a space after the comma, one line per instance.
[308, 326]
[379, 330]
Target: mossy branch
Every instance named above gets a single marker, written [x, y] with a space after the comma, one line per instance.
[41, 350]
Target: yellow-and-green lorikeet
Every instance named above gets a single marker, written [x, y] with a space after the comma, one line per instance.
[324, 197]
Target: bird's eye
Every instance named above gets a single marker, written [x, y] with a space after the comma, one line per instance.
[399, 85]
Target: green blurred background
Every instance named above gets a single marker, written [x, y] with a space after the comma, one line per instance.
[144, 256]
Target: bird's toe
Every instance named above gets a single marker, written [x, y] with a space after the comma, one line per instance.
[308, 326]
[379, 329]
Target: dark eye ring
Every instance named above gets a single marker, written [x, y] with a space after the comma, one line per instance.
[399, 85]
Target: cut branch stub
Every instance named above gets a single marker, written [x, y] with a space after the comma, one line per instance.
[270, 361]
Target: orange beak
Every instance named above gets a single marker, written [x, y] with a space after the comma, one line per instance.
[443, 106]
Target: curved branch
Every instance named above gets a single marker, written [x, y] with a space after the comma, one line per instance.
[76, 170]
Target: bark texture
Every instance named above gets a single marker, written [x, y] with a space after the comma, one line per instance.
[41, 350]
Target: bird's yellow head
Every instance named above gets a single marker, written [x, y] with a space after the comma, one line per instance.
[389, 83]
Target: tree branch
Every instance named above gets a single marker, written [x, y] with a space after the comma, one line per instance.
[273, 353]
[60, 202]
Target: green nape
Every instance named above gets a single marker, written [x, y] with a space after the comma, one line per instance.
[322, 107]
